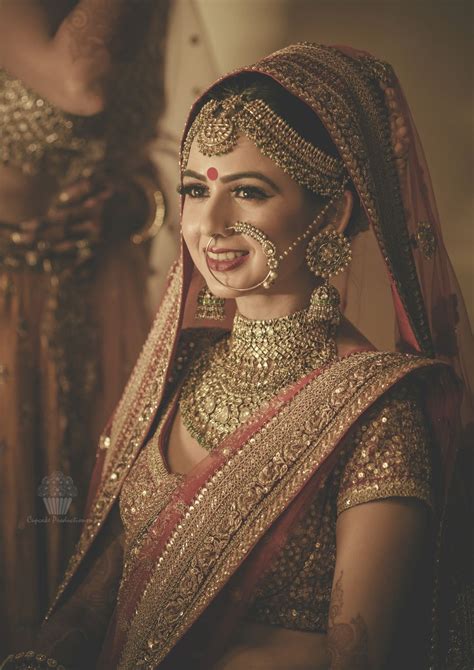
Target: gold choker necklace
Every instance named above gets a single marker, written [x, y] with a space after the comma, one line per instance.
[229, 381]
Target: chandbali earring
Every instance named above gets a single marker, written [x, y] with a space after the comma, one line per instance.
[327, 254]
[209, 306]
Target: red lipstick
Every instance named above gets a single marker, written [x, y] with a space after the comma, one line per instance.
[226, 264]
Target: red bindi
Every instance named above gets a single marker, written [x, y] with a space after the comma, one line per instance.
[212, 174]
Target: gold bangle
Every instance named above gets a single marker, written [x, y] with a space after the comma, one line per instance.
[156, 208]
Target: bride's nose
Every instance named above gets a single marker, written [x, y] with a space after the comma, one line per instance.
[216, 217]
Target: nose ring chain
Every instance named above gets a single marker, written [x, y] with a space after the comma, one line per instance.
[268, 247]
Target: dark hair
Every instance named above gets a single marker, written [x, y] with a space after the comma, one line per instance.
[298, 115]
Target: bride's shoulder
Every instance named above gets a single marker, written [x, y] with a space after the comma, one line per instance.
[388, 451]
[384, 368]
[349, 339]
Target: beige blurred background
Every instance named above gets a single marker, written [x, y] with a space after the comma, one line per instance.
[429, 43]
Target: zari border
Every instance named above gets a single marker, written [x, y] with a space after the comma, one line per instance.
[421, 491]
[241, 500]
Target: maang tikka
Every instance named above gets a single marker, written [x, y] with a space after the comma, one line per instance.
[327, 254]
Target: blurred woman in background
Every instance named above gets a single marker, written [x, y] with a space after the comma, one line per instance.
[80, 95]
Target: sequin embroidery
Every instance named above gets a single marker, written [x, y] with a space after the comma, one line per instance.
[387, 456]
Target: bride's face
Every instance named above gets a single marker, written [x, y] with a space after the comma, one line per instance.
[242, 185]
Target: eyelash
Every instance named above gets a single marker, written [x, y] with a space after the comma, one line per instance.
[255, 192]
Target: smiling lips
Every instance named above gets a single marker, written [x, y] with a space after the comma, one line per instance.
[224, 254]
[223, 260]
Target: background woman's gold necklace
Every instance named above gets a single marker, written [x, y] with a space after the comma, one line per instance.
[231, 380]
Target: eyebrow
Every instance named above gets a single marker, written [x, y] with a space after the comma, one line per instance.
[196, 175]
[234, 177]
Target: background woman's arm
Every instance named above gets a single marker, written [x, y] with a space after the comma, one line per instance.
[68, 63]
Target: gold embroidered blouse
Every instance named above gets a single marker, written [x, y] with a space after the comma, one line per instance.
[386, 456]
[145, 493]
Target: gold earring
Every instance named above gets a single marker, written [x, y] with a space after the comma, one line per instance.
[327, 254]
[209, 306]
[324, 305]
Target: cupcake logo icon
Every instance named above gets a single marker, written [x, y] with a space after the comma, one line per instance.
[57, 491]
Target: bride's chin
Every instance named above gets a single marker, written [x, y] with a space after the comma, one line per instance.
[225, 294]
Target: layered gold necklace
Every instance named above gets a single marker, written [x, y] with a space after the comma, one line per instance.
[232, 379]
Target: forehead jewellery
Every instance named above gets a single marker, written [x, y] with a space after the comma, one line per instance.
[219, 123]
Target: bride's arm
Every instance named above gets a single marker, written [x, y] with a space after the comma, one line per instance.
[382, 532]
[75, 633]
[70, 66]
[379, 545]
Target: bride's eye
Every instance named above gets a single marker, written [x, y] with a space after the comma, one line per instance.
[250, 193]
[193, 190]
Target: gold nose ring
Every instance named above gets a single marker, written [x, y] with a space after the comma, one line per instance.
[268, 248]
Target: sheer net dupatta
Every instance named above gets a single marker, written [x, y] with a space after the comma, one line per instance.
[366, 284]
[400, 289]
[451, 408]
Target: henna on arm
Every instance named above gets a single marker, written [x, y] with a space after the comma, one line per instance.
[89, 29]
[103, 31]
[99, 37]
[347, 643]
